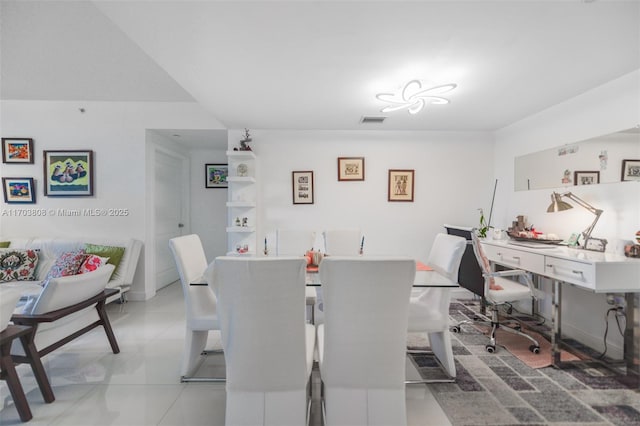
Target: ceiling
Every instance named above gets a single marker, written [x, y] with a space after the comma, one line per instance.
[319, 64]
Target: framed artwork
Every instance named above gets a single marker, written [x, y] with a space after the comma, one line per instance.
[630, 170]
[350, 168]
[401, 185]
[216, 175]
[586, 177]
[302, 187]
[17, 150]
[68, 173]
[19, 190]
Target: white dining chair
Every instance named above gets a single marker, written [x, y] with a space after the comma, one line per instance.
[362, 341]
[429, 308]
[342, 242]
[268, 346]
[296, 242]
[199, 301]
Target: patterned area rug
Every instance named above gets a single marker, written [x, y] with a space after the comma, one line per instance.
[500, 389]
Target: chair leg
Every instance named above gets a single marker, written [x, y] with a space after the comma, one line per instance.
[194, 344]
[441, 348]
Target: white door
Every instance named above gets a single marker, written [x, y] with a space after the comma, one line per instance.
[171, 211]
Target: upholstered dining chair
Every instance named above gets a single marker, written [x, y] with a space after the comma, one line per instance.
[500, 291]
[268, 346]
[296, 242]
[342, 242]
[200, 304]
[362, 341]
[429, 308]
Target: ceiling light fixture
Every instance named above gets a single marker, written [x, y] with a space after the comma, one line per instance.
[415, 98]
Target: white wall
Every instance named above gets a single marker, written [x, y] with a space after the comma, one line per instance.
[208, 205]
[453, 178]
[115, 131]
[612, 107]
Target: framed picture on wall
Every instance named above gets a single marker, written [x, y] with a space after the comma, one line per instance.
[630, 170]
[586, 177]
[216, 175]
[350, 168]
[401, 185]
[17, 150]
[68, 173]
[18, 190]
[302, 182]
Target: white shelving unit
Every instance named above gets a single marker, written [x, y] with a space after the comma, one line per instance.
[242, 203]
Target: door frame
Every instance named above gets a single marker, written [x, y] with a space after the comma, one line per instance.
[152, 147]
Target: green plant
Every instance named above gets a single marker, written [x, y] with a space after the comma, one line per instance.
[483, 228]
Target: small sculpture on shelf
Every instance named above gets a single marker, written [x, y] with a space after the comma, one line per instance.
[237, 221]
[245, 222]
[244, 142]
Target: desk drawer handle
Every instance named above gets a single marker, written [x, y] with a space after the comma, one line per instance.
[516, 258]
[573, 271]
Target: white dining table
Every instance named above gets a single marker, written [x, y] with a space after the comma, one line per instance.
[423, 279]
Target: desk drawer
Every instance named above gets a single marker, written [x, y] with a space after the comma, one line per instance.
[517, 259]
[582, 274]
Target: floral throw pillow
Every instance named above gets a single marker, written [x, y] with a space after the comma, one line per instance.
[18, 265]
[67, 264]
[91, 263]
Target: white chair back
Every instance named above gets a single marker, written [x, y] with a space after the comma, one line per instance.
[363, 339]
[199, 299]
[294, 242]
[446, 254]
[342, 242]
[8, 300]
[268, 347]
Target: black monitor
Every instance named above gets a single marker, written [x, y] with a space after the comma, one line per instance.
[469, 274]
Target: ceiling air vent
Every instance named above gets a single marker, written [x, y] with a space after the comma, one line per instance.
[370, 119]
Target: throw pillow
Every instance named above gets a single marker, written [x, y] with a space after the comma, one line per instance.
[113, 253]
[67, 264]
[18, 265]
[5, 244]
[91, 263]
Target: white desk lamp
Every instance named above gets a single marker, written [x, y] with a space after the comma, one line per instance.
[557, 205]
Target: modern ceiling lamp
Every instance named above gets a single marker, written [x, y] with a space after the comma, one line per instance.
[414, 97]
[558, 205]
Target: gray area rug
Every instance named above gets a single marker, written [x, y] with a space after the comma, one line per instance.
[499, 389]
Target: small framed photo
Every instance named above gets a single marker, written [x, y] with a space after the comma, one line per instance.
[401, 184]
[586, 177]
[17, 150]
[18, 190]
[216, 175]
[68, 173]
[350, 168]
[630, 170]
[302, 187]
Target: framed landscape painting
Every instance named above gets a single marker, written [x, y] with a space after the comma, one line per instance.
[68, 173]
[18, 190]
[216, 175]
[17, 150]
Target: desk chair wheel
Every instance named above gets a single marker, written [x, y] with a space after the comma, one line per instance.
[455, 329]
[490, 348]
[535, 349]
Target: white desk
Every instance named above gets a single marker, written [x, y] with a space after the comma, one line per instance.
[593, 271]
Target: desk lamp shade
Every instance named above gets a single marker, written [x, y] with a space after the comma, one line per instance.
[557, 205]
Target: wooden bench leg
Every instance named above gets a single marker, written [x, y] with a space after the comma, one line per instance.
[13, 382]
[37, 367]
[104, 319]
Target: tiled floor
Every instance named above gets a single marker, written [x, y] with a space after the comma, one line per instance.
[140, 385]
